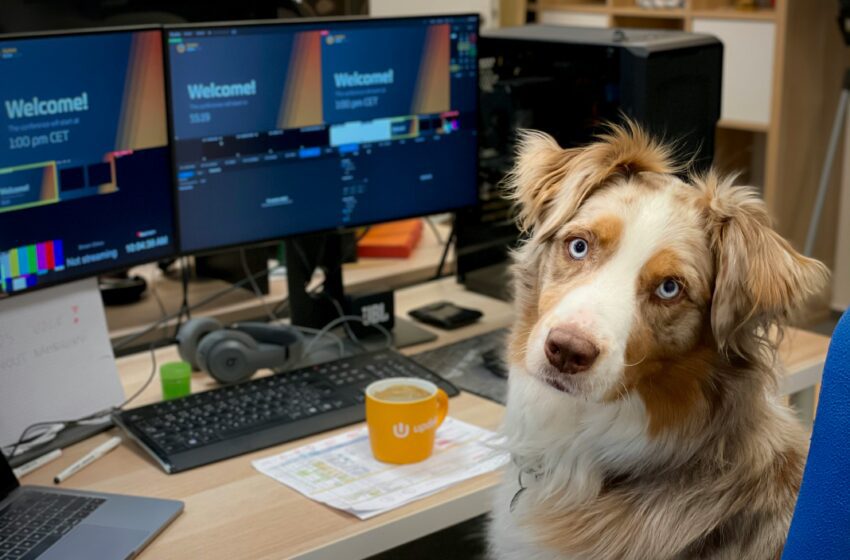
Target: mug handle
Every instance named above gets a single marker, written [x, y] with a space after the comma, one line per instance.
[442, 406]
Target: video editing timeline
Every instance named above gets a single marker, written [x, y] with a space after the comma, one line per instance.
[85, 180]
[285, 129]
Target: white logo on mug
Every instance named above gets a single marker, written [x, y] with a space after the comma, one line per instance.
[401, 430]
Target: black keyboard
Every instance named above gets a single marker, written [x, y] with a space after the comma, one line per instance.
[475, 364]
[35, 520]
[214, 425]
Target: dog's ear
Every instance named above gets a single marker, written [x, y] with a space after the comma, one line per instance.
[550, 183]
[760, 279]
[539, 169]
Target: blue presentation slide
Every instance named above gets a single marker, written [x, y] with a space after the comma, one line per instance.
[83, 155]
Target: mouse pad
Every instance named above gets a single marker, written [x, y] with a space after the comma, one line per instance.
[475, 365]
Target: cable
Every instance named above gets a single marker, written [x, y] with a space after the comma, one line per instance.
[318, 334]
[256, 287]
[445, 255]
[184, 305]
[362, 234]
[282, 306]
[346, 318]
[434, 229]
[341, 312]
[275, 319]
[63, 425]
[163, 312]
[145, 385]
[123, 343]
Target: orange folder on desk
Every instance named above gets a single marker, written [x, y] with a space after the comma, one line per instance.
[395, 240]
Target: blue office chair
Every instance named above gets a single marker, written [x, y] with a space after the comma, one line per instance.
[821, 524]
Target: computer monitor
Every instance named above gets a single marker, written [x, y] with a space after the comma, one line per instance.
[85, 177]
[309, 126]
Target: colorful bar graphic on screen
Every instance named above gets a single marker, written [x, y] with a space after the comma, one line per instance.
[20, 267]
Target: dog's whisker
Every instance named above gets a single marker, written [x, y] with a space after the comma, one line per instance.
[637, 363]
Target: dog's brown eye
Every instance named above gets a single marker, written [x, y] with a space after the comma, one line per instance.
[668, 289]
[578, 248]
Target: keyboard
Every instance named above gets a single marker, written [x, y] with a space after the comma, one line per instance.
[475, 365]
[35, 520]
[206, 427]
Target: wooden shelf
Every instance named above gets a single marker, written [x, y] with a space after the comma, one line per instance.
[577, 8]
[660, 13]
[743, 125]
[763, 14]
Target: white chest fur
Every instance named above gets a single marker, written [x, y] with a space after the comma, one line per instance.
[572, 444]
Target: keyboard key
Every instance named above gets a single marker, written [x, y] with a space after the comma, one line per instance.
[35, 520]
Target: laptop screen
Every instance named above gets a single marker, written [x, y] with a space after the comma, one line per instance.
[8, 480]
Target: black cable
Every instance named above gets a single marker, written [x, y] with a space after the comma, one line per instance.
[256, 287]
[362, 234]
[23, 439]
[145, 385]
[123, 343]
[282, 306]
[184, 304]
[341, 312]
[445, 255]
[434, 229]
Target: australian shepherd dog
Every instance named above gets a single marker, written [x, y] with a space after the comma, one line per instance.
[643, 418]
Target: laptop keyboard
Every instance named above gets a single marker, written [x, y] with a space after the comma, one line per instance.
[34, 521]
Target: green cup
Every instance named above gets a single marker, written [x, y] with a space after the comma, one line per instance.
[176, 378]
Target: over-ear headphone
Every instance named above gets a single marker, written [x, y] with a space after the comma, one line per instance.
[234, 354]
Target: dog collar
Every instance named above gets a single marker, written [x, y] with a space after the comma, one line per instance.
[534, 473]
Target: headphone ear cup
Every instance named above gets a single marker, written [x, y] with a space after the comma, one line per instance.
[190, 335]
[228, 356]
[281, 346]
[295, 351]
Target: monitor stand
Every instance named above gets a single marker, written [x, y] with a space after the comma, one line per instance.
[316, 308]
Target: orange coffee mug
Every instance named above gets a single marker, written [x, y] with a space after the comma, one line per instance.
[403, 414]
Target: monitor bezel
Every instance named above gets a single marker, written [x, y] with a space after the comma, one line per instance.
[174, 253]
[286, 23]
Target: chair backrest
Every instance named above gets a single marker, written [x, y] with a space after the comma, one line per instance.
[821, 524]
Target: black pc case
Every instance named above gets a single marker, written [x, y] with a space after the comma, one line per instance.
[567, 81]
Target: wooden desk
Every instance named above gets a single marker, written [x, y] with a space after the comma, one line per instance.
[242, 304]
[232, 511]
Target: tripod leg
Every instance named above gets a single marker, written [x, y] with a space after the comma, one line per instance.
[823, 186]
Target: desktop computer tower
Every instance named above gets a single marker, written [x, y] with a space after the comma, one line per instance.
[568, 81]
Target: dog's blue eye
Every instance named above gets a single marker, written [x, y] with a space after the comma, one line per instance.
[578, 248]
[668, 289]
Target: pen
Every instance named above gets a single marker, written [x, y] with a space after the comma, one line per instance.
[88, 459]
[38, 462]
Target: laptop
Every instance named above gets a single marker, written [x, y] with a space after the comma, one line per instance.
[52, 524]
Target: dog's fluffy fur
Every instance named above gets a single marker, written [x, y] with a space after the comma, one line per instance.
[674, 444]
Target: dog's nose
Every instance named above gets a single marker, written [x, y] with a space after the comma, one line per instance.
[569, 351]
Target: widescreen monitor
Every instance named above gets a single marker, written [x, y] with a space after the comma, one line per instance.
[308, 126]
[85, 174]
